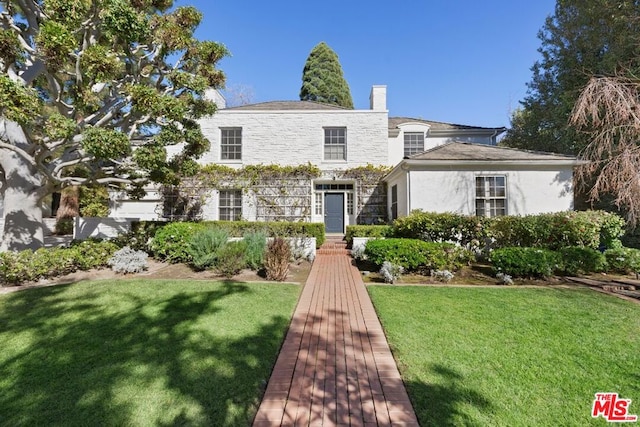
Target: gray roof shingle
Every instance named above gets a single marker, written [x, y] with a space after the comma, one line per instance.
[395, 121]
[470, 151]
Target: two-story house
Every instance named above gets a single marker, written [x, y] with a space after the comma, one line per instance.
[372, 167]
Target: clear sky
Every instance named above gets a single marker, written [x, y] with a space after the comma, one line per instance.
[457, 61]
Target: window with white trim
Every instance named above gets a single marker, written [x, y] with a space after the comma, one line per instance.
[350, 203]
[413, 143]
[230, 205]
[335, 143]
[231, 144]
[394, 202]
[491, 196]
[319, 203]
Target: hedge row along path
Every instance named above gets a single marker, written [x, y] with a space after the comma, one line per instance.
[335, 366]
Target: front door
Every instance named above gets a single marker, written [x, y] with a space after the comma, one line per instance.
[334, 212]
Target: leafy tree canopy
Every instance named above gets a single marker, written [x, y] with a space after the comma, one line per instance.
[101, 87]
[581, 39]
[323, 80]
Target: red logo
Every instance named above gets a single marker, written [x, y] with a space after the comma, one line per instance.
[612, 408]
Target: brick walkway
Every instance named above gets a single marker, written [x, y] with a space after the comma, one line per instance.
[335, 366]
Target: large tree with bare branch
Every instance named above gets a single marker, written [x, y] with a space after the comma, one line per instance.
[608, 111]
[92, 91]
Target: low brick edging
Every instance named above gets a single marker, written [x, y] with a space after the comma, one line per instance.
[335, 366]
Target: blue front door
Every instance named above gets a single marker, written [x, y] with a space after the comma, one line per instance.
[334, 212]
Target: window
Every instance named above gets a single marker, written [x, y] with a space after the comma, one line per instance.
[335, 143]
[318, 203]
[491, 196]
[349, 203]
[413, 143]
[394, 202]
[231, 144]
[321, 187]
[230, 205]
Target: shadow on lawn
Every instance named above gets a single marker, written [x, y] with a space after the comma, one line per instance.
[440, 404]
[76, 372]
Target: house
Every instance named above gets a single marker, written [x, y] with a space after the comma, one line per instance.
[367, 168]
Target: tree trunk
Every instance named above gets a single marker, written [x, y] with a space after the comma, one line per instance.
[23, 190]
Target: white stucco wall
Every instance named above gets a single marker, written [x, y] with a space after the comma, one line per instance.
[528, 191]
[401, 181]
[147, 208]
[297, 137]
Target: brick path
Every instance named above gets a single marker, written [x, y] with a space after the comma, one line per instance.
[335, 366]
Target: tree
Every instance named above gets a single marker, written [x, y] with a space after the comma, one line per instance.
[91, 93]
[323, 80]
[608, 111]
[582, 39]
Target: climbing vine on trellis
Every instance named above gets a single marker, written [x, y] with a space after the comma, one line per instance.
[278, 193]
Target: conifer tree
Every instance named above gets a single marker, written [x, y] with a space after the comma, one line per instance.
[323, 80]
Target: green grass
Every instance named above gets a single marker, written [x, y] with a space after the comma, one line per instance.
[139, 352]
[511, 357]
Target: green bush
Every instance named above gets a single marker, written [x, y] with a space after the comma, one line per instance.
[203, 247]
[25, 266]
[256, 245]
[171, 242]
[414, 254]
[141, 235]
[623, 260]
[525, 262]
[230, 258]
[374, 231]
[440, 227]
[592, 229]
[579, 260]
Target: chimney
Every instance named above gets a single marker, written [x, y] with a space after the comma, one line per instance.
[378, 98]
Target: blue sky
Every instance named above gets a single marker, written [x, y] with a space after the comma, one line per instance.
[457, 61]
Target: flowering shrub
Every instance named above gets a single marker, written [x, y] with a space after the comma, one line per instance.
[623, 260]
[413, 254]
[171, 242]
[440, 227]
[442, 275]
[525, 262]
[391, 272]
[504, 279]
[127, 260]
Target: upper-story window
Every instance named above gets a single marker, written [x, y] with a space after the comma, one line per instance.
[491, 196]
[413, 143]
[231, 144]
[335, 143]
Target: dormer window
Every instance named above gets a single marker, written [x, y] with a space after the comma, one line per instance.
[413, 143]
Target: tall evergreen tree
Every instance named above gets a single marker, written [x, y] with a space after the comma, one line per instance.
[583, 38]
[323, 80]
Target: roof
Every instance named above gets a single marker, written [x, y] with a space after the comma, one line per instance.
[394, 122]
[461, 151]
[287, 105]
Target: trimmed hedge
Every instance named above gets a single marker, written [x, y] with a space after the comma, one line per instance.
[414, 254]
[441, 227]
[25, 266]
[525, 262]
[623, 260]
[375, 231]
[578, 260]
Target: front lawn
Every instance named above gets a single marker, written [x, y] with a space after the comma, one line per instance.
[487, 356]
[139, 352]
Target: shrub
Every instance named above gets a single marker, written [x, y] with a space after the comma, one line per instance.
[127, 260]
[442, 275]
[525, 262]
[276, 261]
[374, 231]
[504, 279]
[64, 226]
[203, 247]
[141, 235]
[440, 227]
[579, 260]
[171, 242]
[92, 253]
[413, 254]
[623, 260]
[256, 244]
[591, 229]
[391, 272]
[230, 258]
[358, 253]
